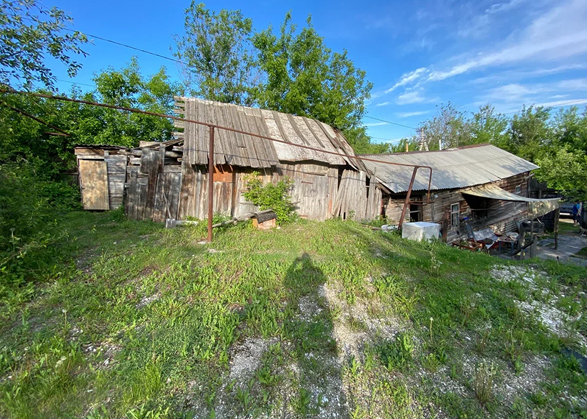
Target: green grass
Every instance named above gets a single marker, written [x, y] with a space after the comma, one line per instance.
[135, 321]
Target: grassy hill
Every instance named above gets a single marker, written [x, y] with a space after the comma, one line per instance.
[311, 320]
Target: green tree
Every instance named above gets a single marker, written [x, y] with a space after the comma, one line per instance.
[570, 128]
[23, 139]
[128, 88]
[564, 170]
[304, 77]
[530, 132]
[449, 128]
[291, 71]
[487, 126]
[28, 34]
[217, 55]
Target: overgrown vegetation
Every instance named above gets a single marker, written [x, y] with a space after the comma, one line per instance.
[331, 318]
[271, 196]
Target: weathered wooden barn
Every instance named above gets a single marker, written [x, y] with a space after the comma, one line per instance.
[170, 179]
[480, 185]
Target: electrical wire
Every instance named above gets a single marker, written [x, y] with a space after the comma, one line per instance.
[389, 122]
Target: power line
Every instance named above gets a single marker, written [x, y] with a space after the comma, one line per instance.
[389, 122]
[210, 125]
[34, 118]
[127, 46]
[75, 82]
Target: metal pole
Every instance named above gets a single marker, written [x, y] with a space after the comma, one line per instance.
[210, 183]
[407, 202]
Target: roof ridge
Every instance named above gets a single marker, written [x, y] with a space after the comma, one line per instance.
[464, 147]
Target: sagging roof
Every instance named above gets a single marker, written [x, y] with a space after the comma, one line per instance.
[245, 150]
[452, 168]
[536, 207]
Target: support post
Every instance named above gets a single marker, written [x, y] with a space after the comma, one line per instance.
[210, 183]
[407, 201]
[557, 213]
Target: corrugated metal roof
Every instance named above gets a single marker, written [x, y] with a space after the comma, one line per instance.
[452, 169]
[245, 150]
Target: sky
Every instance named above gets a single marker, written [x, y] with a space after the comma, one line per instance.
[418, 54]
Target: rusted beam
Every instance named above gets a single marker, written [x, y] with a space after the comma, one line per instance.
[407, 201]
[210, 183]
[176, 118]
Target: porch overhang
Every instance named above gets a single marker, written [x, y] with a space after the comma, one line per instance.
[536, 207]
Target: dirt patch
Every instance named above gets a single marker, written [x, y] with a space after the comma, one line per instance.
[554, 319]
[246, 358]
[355, 325]
[145, 301]
[105, 349]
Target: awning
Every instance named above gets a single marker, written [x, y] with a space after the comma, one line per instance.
[536, 207]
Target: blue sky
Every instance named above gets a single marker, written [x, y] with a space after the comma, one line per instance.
[418, 54]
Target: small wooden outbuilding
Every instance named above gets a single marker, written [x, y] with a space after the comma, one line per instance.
[101, 175]
[170, 179]
[480, 186]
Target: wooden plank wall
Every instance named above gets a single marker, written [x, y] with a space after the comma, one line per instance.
[116, 162]
[182, 191]
[503, 218]
[116, 165]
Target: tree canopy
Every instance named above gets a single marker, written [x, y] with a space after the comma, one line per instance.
[29, 33]
[291, 70]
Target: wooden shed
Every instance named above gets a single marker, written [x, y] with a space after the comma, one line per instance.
[102, 175]
[480, 185]
[170, 179]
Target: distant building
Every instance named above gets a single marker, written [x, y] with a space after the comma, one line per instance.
[480, 185]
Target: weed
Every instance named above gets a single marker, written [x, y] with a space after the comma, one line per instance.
[397, 353]
[483, 382]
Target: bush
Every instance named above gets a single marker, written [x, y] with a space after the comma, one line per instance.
[271, 196]
[29, 208]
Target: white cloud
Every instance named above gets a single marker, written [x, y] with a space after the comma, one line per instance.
[383, 104]
[408, 114]
[559, 103]
[511, 75]
[414, 96]
[559, 33]
[376, 124]
[573, 84]
[408, 78]
[504, 7]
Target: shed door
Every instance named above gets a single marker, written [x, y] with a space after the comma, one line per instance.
[94, 184]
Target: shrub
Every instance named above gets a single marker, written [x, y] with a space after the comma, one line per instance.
[271, 196]
[29, 208]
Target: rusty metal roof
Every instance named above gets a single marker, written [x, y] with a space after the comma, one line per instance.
[245, 150]
[452, 168]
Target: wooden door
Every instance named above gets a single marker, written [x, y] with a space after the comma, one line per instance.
[94, 184]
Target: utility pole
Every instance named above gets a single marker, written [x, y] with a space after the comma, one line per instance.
[423, 143]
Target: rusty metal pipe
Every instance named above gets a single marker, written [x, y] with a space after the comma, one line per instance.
[407, 201]
[210, 184]
[212, 126]
[177, 118]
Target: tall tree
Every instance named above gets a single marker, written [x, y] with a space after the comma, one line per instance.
[292, 71]
[217, 55]
[448, 128]
[487, 126]
[304, 77]
[22, 139]
[129, 88]
[28, 34]
[530, 132]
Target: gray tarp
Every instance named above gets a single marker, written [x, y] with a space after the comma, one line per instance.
[536, 207]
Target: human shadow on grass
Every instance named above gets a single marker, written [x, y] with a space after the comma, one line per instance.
[318, 388]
